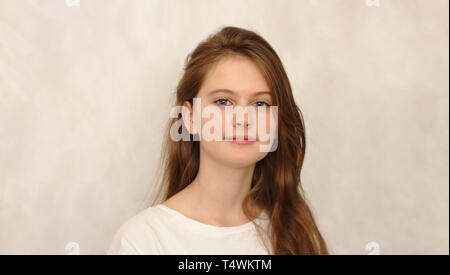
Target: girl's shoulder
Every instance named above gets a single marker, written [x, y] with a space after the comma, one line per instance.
[137, 234]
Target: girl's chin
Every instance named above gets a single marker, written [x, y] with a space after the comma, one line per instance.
[240, 160]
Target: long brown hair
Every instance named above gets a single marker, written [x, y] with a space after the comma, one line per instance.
[276, 184]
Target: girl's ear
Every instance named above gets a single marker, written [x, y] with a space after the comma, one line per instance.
[188, 114]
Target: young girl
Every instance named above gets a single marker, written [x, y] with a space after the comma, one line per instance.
[229, 196]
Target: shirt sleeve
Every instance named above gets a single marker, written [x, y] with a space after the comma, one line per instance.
[121, 245]
[134, 237]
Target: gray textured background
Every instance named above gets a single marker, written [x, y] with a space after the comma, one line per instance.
[85, 92]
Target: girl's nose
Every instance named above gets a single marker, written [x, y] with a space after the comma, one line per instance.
[239, 124]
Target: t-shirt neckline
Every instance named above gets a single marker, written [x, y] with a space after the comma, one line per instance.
[205, 226]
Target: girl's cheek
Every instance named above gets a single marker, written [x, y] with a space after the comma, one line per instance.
[264, 122]
[263, 127]
[268, 125]
[215, 121]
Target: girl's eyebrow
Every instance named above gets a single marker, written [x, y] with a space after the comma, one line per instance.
[232, 92]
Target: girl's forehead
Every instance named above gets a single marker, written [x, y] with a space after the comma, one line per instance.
[238, 74]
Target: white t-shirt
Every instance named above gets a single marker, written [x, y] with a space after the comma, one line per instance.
[163, 230]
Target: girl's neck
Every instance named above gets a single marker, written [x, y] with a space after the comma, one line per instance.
[215, 196]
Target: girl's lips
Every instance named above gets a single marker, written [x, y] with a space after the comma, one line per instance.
[241, 140]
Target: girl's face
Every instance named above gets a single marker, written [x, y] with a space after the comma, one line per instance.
[234, 81]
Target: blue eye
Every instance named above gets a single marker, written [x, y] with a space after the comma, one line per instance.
[264, 104]
[222, 101]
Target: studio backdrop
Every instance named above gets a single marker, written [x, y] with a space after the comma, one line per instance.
[86, 88]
